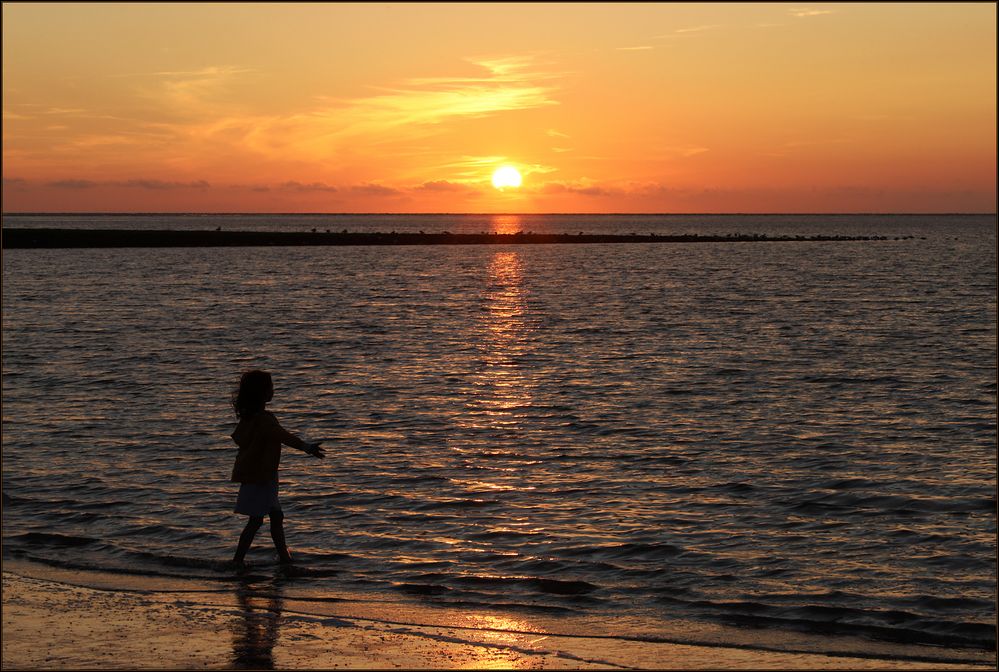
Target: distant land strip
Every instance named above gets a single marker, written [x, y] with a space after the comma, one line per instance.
[79, 238]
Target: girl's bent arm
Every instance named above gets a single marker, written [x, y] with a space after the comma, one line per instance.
[286, 437]
[289, 439]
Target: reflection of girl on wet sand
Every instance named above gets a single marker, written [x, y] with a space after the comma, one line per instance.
[259, 436]
[256, 632]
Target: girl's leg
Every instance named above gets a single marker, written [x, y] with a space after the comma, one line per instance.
[246, 538]
[277, 534]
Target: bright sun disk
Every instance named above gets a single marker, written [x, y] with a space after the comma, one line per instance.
[506, 176]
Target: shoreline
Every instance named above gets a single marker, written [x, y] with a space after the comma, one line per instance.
[51, 621]
[30, 238]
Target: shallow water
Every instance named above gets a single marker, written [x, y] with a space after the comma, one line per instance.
[797, 436]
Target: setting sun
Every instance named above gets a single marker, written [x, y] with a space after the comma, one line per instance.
[506, 176]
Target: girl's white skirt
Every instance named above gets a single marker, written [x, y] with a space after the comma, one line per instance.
[257, 499]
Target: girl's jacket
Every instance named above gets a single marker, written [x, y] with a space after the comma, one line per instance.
[259, 438]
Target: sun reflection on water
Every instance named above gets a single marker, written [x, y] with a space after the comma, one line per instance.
[505, 224]
[505, 642]
[502, 387]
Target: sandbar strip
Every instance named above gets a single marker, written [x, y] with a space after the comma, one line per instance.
[88, 238]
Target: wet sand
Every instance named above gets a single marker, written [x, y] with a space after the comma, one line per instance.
[77, 238]
[57, 624]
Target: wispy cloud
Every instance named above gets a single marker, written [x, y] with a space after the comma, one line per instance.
[639, 48]
[697, 29]
[447, 186]
[174, 118]
[508, 84]
[189, 92]
[536, 169]
[151, 184]
[63, 111]
[420, 106]
[304, 188]
[583, 187]
[162, 111]
[72, 184]
[474, 171]
[801, 12]
[161, 184]
[467, 169]
[375, 190]
[506, 67]
[690, 30]
[685, 150]
[207, 71]
[292, 186]
[211, 71]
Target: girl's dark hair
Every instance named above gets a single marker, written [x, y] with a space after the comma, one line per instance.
[255, 390]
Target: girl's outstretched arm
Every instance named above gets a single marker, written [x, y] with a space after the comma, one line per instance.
[289, 439]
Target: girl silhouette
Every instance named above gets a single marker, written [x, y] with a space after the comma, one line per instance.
[259, 436]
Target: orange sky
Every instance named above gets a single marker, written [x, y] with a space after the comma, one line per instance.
[411, 107]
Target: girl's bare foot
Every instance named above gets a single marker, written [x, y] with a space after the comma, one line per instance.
[237, 566]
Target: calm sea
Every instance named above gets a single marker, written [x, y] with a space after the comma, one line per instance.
[788, 437]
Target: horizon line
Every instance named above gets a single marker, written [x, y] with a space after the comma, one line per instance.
[498, 214]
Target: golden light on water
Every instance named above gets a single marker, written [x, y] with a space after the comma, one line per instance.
[503, 642]
[506, 224]
[502, 387]
[503, 390]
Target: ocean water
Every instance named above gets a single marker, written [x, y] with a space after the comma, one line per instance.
[791, 437]
[773, 225]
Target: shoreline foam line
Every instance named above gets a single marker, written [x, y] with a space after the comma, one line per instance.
[20, 238]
